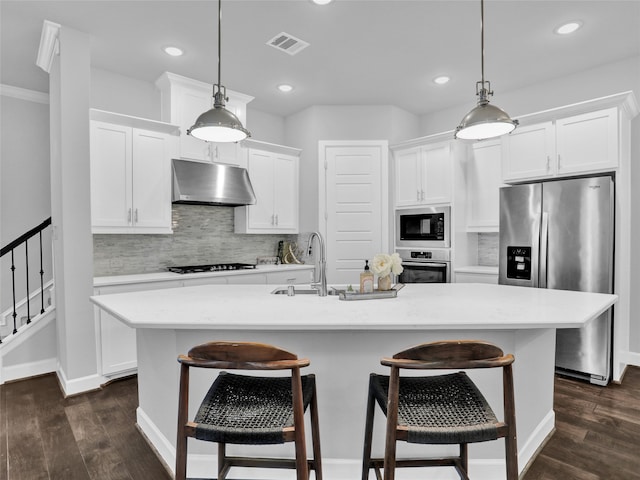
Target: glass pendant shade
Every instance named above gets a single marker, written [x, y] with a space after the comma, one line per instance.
[485, 121]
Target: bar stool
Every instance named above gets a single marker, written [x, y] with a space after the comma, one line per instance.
[440, 409]
[249, 410]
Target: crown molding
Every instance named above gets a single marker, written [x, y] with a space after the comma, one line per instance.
[49, 45]
[24, 94]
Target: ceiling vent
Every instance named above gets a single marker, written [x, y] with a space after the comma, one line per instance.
[287, 43]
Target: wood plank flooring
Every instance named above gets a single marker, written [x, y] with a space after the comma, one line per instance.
[93, 436]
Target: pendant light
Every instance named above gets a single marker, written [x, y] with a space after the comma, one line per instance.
[219, 124]
[485, 120]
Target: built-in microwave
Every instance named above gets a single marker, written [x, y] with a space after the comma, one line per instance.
[423, 227]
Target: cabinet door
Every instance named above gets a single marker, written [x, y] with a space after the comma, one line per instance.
[117, 340]
[436, 174]
[483, 184]
[227, 153]
[408, 186]
[286, 193]
[588, 142]
[111, 163]
[151, 180]
[262, 175]
[189, 105]
[248, 279]
[295, 277]
[529, 152]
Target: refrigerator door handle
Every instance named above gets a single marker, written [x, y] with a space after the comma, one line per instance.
[544, 245]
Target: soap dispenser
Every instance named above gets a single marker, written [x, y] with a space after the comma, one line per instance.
[366, 279]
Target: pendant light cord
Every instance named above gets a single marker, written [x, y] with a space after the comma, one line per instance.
[482, 40]
[219, 41]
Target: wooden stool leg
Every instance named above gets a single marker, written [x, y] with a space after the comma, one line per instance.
[315, 435]
[392, 425]
[302, 467]
[368, 433]
[181, 440]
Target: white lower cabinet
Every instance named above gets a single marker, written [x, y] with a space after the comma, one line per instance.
[117, 341]
[117, 353]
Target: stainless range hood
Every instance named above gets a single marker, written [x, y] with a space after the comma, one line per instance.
[200, 183]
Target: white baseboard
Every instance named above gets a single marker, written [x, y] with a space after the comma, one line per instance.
[632, 358]
[79, 385]
[26, 370]
[201, 466]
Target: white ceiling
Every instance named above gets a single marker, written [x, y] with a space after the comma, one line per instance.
[361, 52]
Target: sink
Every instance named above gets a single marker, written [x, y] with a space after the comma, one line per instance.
[302, 290]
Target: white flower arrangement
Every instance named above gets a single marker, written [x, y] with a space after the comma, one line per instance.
[384, 264]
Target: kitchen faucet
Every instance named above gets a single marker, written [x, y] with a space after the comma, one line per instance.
[321, 283]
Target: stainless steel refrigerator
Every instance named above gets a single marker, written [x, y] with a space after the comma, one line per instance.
[560, 234]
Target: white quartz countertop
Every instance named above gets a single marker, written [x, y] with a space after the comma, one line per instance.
[417, 306]
[167, 276]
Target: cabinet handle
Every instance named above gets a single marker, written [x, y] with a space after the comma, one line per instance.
[422, 195]
[548, 163]
[418, 195]
[559, 161]
[273, 219]
[276, 219]
[135, 218]
[129, 216]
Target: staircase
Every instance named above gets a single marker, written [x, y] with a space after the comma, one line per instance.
[31, 312]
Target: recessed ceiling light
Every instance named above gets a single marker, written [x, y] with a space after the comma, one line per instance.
[173, 51]
[321, 2]
[441, 80]
[567, 28]
[285, 88]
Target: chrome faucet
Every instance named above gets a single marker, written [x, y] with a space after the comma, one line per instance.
[321, 283]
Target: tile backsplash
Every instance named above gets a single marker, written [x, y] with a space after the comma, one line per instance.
[488, 249]
[201, 235]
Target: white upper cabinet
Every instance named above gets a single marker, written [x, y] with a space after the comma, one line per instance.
[183, 101]
[273, 171]
[130, 174]
[579, 144]
[483, 185]
[588, 142]
[529, 152]
[423, 175]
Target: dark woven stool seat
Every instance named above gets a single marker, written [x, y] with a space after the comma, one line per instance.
[441, 409]
[249, 410]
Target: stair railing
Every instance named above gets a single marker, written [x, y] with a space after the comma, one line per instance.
[9, 248]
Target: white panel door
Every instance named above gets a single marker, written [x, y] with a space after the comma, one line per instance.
[355, 206]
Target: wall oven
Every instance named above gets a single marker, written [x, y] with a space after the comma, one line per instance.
[425, 266]
[423, 227]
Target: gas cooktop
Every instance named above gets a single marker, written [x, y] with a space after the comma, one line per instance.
[216, 267]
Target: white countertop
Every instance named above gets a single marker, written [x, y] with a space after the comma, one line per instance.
[167, 276]
[418, 306]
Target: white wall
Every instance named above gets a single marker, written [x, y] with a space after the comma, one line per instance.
[25, 195]
[357, 122]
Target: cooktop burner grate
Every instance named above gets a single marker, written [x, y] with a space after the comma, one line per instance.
[216, 267]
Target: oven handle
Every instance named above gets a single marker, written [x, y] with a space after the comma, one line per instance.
[425, 264]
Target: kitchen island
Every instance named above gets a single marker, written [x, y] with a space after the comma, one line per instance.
[345, 341]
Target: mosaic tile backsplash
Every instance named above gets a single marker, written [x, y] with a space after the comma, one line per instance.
[201, 235]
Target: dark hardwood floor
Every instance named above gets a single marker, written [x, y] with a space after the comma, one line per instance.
[93, 436]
